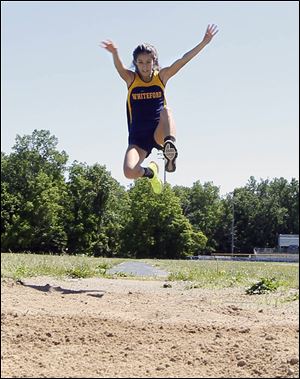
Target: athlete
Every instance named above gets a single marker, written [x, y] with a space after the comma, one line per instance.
[150, 121]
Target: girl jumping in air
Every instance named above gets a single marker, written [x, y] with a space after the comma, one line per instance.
[150, 121]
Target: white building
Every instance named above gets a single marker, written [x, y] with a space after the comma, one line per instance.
[288, 242]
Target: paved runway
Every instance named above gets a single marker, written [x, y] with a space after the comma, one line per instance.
[137, 269]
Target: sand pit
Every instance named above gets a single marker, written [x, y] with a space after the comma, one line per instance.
[98, 328]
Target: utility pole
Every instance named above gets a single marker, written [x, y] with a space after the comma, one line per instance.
[232, 227]
[161, 156]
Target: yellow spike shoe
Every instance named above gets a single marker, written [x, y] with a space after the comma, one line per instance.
[156, 183]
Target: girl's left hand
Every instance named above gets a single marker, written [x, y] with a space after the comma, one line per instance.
[211, 31]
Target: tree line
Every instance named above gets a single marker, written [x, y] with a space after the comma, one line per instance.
[47, 206]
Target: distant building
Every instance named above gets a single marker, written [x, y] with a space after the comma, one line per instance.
[288, 243]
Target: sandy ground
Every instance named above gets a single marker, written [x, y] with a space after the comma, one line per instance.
[96, 328]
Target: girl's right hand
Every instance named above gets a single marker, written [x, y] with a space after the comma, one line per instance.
[109, 46]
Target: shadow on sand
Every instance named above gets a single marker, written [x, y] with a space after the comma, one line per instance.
[63, 291]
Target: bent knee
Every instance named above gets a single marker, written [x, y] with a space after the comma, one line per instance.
[128, 172]
[132, 173]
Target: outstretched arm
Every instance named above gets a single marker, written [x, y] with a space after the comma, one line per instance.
[125, 74]
[167, 72]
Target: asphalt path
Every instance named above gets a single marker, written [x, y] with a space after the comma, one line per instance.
[137, 269]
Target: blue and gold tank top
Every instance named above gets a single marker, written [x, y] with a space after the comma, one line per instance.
[145, 100]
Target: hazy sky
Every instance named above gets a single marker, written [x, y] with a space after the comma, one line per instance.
[235, 104]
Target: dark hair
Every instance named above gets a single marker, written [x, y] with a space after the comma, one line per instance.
[146, 48]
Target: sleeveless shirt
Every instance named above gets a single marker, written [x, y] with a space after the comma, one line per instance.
[145, 100]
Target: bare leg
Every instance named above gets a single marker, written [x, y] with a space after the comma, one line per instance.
[166, 126]
[132, 167]
[132, 162]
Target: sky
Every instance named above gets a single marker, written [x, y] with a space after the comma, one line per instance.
[235, 104]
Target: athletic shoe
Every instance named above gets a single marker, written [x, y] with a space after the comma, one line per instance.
[170, 154]
[156, 183]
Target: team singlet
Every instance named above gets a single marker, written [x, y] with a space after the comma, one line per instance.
[145, 100]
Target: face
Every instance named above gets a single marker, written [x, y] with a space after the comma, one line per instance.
[144, 63]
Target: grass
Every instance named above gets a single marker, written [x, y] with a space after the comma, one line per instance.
[19, 266]
[224, 274]
[197, 274]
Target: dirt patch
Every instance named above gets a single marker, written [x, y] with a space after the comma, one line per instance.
[98, 328]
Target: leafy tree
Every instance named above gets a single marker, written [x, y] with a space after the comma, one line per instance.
[223, 231]
[40, 152]
[95, 212]
[91, 213]
[203, 207]
[33, 190]
[10, 205]
[286, 196]
[263, 210]
[156, 227]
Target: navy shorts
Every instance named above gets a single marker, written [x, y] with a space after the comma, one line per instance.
[144, 139]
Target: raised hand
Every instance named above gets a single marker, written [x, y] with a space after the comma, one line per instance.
[109, 46]
[211, 31]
